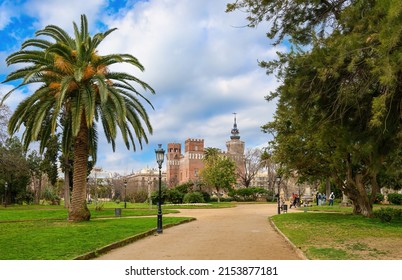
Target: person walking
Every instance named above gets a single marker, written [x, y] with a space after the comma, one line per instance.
[331, 199]
[293, 203]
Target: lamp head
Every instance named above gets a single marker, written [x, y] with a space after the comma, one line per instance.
[160, 155]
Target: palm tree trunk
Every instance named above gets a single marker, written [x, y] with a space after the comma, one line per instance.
[67, 187]
[78, 210]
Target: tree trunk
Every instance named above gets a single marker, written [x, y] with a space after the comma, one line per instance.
[35, 188]
[66, 187]
[78, 210]
[359, 197]
[356, 191]
[328, 188]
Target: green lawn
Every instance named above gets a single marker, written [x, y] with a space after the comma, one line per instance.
[42, 232]
[45, 212]
[341, 236]
[63, 240]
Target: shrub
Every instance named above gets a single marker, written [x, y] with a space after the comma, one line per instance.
[99, 205]
[193, 197]
[248, 194]
[184, 188]
[395, 198]
[387, 214]
[175, 196]
[138, 196]
[49, 195]
[379, 198]
[222, 199]
[155, 196]
[25, 197]
[207, 196]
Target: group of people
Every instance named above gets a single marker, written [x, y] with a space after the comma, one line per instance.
[321, 199]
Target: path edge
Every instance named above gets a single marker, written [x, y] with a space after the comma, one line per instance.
[126, 241]
[294, 247]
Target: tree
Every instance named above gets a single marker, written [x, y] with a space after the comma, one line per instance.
[35, 163]
[313, 17]
[268, 163]
[339, 110]
[77, 83]
[252, 165]
[219, 172]
[14, 170]
[49, 164]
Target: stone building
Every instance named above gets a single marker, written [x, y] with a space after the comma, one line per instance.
[147, 179]
[183, 168]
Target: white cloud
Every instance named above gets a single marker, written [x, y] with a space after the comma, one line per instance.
[5, 14]
[62, 13]
[202, 66]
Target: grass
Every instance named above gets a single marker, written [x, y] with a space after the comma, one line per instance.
[35, 212]
[42, 232]
[63, 240]
[341, 235]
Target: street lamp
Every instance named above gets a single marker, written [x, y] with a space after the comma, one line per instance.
[278, 180]
[160, 155]
[125, 193]
[5, 194]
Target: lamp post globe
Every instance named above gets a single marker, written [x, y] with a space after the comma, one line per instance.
[160, 155]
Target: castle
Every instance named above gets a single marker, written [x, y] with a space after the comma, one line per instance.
[183, 168]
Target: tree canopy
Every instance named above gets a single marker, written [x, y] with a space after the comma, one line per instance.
[78, 91]
[339, 106]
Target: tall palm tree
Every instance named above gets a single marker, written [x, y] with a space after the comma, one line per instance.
[78, 91]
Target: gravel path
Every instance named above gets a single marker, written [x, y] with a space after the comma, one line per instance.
[238, 233]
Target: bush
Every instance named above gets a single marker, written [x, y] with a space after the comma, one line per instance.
[247, 194]
[138, 196]
[174, 196]
[207, 196]
[155, 196]
[184, 188]
[193, 197]
[25, 197]
[387, 214]
[99, 205]
[379, 198]
[395, 198]
[50, 196]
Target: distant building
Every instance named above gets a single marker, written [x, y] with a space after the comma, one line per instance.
[147, 179]
[261, 179]
[183, 168]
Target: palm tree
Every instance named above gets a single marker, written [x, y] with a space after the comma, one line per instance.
[78, 91]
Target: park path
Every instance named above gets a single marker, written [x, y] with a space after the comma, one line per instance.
[239, 233]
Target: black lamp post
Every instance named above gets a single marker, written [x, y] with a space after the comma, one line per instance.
[278, 180]
[160, 155]
[125, 193]
[5, 194]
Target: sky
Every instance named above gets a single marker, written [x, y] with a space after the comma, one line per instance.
[201, 61]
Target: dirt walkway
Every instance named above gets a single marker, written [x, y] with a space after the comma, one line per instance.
[239, 233]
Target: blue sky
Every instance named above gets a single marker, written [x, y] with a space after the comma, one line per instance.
[201, 61]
